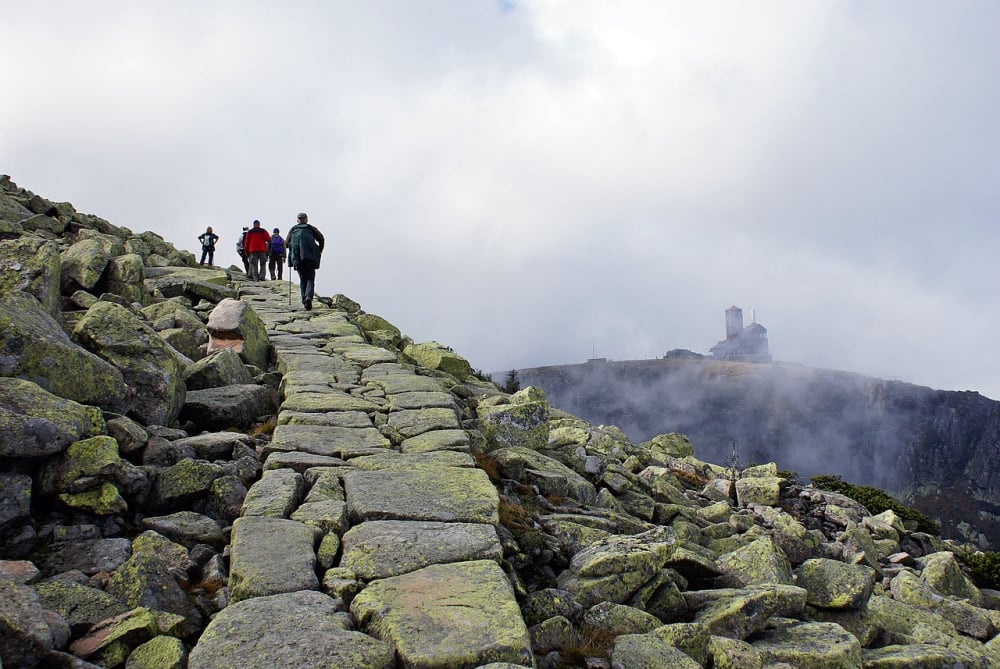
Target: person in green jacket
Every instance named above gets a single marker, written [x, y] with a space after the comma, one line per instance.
[305, 246]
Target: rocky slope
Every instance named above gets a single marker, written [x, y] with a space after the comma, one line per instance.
[194, 473]
[938, 450]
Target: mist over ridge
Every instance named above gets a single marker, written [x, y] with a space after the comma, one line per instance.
[935, 449]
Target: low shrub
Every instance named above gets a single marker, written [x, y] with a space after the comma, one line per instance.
[875, 500]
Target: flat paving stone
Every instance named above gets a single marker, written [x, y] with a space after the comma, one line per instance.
[326, 402]
[411, 422]
[452, 615]
[423, 400]
[382, 548]
[298, 630]
[329, 418]
[397, 384]
[300, 461]
[270, 556]
[449, 494]
[275, 494]
[390, 459]
[437, 440]
[337, 442]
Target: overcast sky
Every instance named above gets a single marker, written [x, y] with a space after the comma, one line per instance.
[539, 182]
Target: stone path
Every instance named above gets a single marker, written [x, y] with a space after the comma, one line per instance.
[370, 540]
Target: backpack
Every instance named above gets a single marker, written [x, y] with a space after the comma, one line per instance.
[277, 245]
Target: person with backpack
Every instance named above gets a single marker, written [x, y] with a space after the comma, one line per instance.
[305, 246]
[242, 252]
[255, 245]
[276, 254]
[208, 239]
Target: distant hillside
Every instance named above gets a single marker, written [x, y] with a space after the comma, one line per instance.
[937, 449]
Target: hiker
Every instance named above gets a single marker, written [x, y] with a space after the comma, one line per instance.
[255, 246]
[276, 254]
[208, 239]
[240, 250]
[305, 245]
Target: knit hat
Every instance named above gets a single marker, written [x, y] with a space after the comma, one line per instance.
[276, 231]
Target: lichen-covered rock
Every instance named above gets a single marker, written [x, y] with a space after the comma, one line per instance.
[222, 368]
[646, 651]
[235, 325]
[35, 423]
[726, 653]
[832, 584]
[814, 645]
[25, 636]
[192, 283]
[433, 355]
[764, 490]
[254, 634]
[908, 588]
[670, 445]
[124, 276]
[447, 494]
[150, 367]
[382, 548]
[129, 629]
[461, 614]
[182, 483]
[160, 652]
[34, 347]
[758, 562]
[550, 475]
[617, 619]
[739, 613]
[923, 656]
[150, 576]
[80, 605]
[31, 265]
[271, 556]
[525, 425]
[942, 572]
[84, 262]
[15, 499]
[227, 407]
[614, 569]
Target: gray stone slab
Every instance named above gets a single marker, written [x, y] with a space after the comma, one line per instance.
[383, 548]
[327, 515]
[325, 402]
[453, 615]
[396, 384]
[330, 419]
[423, 400]
[271, 556]
[437, 440]
[410, 423]
[390, 459]
[275, 495]
[299, 630]
[365, 355]
[450, 494]
[300, 461]
[322, 440]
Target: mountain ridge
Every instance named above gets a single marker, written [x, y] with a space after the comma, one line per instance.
[934, 448]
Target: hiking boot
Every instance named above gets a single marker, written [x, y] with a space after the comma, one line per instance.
[308, 305]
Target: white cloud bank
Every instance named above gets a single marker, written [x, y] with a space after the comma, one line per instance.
[537, 182]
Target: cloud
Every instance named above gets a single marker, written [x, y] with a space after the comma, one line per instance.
[536, 182]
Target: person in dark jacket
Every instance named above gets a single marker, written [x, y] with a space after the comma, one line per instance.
[242, 252]
[276, 254]
[208, 239]
[255, 245]
[305, 246]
